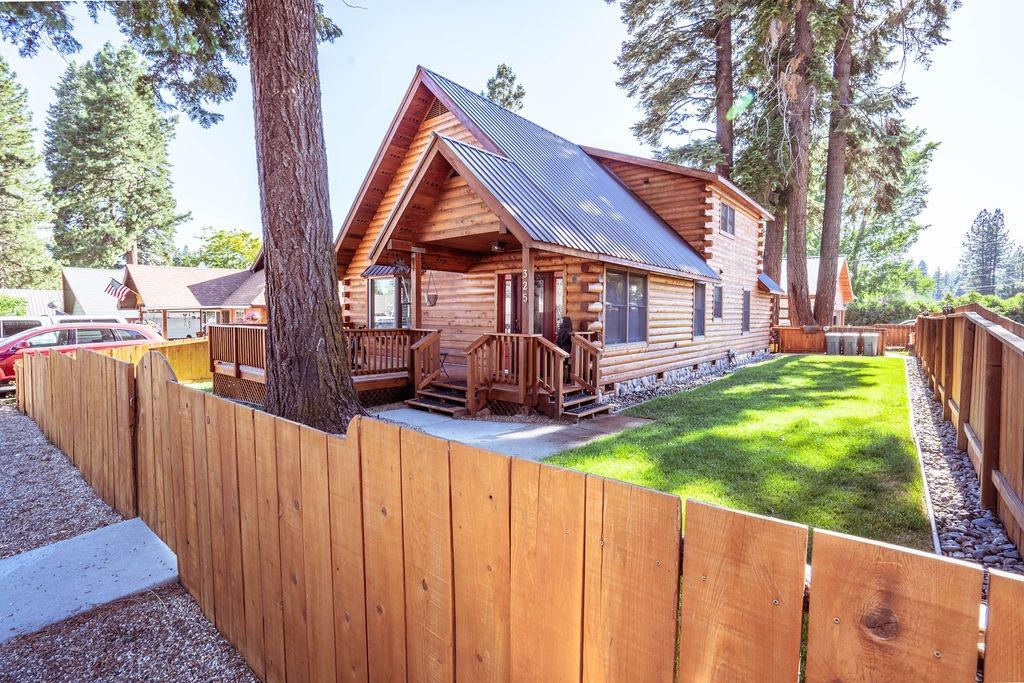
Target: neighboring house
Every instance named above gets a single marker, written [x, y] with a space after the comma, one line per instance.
[181, 302]
[844, 290]
[480, 224]
[37, 301]
[85, 292]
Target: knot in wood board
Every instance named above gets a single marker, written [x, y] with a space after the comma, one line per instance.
[881, 623]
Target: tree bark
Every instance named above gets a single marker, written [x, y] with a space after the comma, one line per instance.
[774, 237]
[723, 92]
[835, 170]
[308, 375]
[798, 116]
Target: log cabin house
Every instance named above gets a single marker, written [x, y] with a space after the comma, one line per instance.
[476, 231]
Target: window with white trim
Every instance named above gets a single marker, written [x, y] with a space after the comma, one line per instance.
[699, 308]
[625, 307]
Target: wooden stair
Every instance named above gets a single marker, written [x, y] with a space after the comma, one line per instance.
[577, 403]
[448, 398]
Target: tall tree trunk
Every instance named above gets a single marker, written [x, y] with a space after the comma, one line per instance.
[835, 170]
[723, 91]
[798, 116]
[308, 377]
[774, 238]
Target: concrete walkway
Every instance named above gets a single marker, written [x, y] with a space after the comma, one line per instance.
[533, 441]
[58, 581]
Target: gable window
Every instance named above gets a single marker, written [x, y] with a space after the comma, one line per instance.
[746, 311]
[728, 219]
[390, 305]
[699, 308]
[625, 307]
[718, 303]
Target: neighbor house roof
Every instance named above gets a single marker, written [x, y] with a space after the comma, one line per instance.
[845, 287]
[36, 300]
[250, 292]
[84, 290]
[177, 288]
[559, 194]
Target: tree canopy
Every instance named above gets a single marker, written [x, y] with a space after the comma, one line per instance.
[503, 89]
[222, 248]
[106, 152]
[24, 209]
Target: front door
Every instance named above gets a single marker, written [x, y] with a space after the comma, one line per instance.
[510, 286]
[547, 303]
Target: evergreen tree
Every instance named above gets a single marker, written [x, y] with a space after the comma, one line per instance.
[24, 260]
[106, 151]
[503, 90]
[224, 248]
[984, 251]
[1012, 276]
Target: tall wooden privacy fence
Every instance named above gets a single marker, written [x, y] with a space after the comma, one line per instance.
[190, 358]
[795, 339]
[389, 554]
[975, 363]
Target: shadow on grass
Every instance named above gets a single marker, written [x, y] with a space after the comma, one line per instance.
[825, 442]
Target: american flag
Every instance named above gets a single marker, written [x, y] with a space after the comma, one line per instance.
[117, 290]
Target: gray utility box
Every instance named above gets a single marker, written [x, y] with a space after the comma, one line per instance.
[850, 343]
[833, 341]
[870, 343]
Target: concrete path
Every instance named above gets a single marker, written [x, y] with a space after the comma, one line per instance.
[49, 584]
[533, 441]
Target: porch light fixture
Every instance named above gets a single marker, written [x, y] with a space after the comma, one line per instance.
[497, 246]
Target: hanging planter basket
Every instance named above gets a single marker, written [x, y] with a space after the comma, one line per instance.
[431, 290]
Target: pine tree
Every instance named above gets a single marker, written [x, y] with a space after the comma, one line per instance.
[106, 151]
[24, 260]
[502, 89]
[1011, 280]
[985, 248]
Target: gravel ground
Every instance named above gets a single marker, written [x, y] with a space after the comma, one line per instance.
[966, 530]
[43, 498]
[155, 636]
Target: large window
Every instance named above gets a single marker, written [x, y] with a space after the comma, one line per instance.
[699, 308]
[390, 303]
[728, 219]
[718, 303]
[625, 307]
[746, 310]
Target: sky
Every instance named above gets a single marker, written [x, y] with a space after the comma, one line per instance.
[969, 100]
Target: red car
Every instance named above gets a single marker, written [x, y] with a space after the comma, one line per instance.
[70, 337]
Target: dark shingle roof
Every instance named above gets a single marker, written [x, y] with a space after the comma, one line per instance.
[564, 194]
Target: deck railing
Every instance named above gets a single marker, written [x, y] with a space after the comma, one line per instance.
[426, 359]
[584, 363]
[241, 350]
[549, 368]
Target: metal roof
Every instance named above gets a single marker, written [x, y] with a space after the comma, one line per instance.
[84, 291]
[36, 300]
[769, 284]
[568, 196]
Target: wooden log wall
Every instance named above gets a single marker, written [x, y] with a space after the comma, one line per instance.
[389, 554]
[975, 365]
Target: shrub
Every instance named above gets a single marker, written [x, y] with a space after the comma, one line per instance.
[12, 305]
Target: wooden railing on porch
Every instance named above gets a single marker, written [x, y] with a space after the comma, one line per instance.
[549, 368]
[584, 363]
[498, 358]
[426, 360]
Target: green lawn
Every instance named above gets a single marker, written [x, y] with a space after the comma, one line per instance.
[815, 439]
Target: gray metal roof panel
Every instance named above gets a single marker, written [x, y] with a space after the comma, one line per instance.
[601, 215]
[771, 285]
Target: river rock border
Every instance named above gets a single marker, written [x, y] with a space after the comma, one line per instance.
[965, 529]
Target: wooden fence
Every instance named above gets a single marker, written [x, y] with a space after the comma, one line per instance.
[975, 365]
[190, 358]
[795, 339]
[389, 554]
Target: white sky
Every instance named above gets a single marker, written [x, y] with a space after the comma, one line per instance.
[563, 53]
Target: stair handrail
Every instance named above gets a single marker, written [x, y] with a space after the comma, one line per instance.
[426, 359]
[549, 370]
[479, 372]
[585, 363]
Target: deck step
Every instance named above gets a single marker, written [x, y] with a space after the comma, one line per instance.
[586, 410]
[576, 399]
[456, 384]
[444, 393]
[435, 405]
[572, 388]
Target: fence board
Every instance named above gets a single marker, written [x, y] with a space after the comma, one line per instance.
[631, 582]
[293, 576]
[224, 417]
[188, 556]
[426, 529]
[1011, 444]
[743, 588]
[1004, 637]
[346, 516]
[879, 611]
[272, 608]
[248, 517]
[480, 482]
[547, 572]
[316, 544]
[380, 458]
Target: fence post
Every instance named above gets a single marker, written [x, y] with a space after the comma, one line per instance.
[993, 414]
[966, 384]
